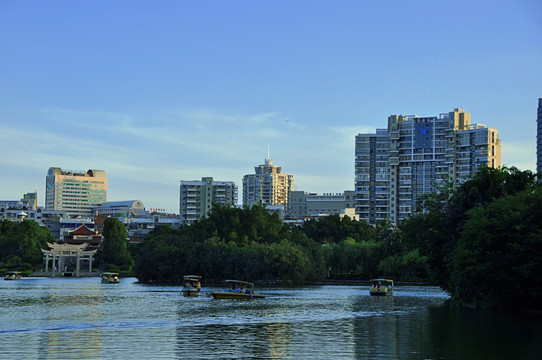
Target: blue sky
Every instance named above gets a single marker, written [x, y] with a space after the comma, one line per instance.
[154, 92]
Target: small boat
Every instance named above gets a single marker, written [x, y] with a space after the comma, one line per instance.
[191, 285]
[381, 287]
[239, 290]
[110, 278]
[13, 275]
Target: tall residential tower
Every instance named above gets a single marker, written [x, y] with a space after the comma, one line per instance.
[397, 165]
[75, 192]
[268, 185]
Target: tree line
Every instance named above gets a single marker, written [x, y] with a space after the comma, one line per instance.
[250, 243]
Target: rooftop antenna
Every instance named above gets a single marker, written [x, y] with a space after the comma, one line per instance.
[268, 151]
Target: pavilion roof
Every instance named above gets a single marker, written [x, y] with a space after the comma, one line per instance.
[82, 230]
[66, 247]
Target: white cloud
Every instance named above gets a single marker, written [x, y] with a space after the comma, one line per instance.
[145, 153]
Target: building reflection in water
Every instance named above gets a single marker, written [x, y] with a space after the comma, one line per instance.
[65, 313]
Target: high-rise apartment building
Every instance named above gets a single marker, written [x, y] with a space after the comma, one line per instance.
[268, 185]
[75, 192]
[397, 165]
[539, 141]
[197, 197]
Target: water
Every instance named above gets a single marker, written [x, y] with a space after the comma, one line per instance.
[65, 318]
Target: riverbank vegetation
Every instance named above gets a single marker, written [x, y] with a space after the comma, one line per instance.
[21, 244]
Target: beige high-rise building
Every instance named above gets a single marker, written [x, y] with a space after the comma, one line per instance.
[75, 192]
[397, 165]
[268, 185]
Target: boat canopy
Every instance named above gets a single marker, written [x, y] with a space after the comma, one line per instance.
[382, 280]
[191, 277]
[110, 273]
[239, 282]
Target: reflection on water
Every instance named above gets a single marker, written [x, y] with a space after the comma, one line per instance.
[82, 318]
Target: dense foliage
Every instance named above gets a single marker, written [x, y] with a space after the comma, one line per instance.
[482, 239]
[246, 243]
[249, 243]
[115, 251]
[21, 244]
[498, 257]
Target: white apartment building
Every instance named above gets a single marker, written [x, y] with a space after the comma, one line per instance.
[396, 166]
[197, 197]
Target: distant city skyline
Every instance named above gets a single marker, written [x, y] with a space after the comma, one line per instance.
[156, 93]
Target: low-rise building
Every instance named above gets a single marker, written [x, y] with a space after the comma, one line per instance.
[305, 204]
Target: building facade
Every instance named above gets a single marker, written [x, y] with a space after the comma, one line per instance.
[25, 208]
[129, 208]
[197, 197]
[76, 193]
[396, 166]
[303, 204]
[539, 141]
[267, 185]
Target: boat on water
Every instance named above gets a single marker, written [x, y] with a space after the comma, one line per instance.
[381, 287]
[110, 278]
[191, 285]
[239, 290]
[13, 275]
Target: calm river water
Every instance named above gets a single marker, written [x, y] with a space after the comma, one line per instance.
[64, 318]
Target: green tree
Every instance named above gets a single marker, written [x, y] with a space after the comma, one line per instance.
[498, 258]
[334, 229]
[115, 249]
[22, 242]
[435, 231]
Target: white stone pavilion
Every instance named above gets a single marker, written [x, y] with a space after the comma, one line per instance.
[63, 254]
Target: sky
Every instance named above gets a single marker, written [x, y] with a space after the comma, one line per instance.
[155, 92]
